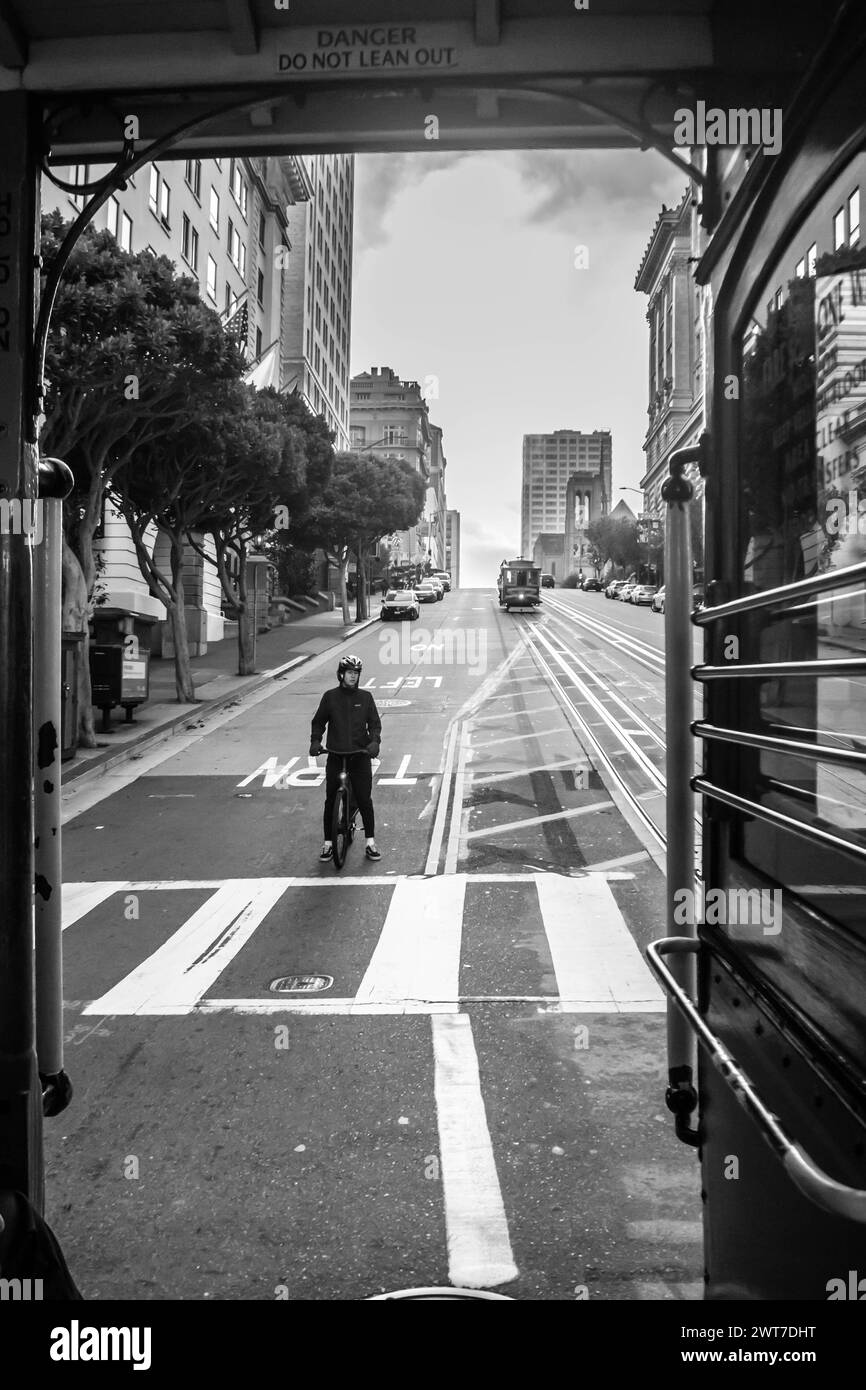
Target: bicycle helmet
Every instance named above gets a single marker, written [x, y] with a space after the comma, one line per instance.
[348, 663]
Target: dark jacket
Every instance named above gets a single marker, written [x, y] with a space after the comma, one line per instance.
[351, 717]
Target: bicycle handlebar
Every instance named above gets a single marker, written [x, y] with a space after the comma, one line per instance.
[347, 752]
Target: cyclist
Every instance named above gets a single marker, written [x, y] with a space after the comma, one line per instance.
[353, 723]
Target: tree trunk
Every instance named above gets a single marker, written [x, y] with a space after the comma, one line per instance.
[246, 641]
[344, 596]
[75, 614]
[361, 605]
[183, 682]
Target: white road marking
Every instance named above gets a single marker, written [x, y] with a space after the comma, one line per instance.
[457, 805]
[479, 1247]
[400, 780]
[511, 714]
[606, 864]
[442, 805]
[185, 966]
[80, 898]
[604, 805]
[482, 778]
[521, 738]
[417, 955]
[595, 957]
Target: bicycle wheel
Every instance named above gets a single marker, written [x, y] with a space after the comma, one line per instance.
[339, 828]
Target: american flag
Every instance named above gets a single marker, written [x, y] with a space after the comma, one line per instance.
[238, 326]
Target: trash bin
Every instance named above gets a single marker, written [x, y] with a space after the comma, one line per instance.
[70, 664]
[119, 661]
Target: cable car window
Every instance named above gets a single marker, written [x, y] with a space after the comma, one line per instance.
[803, 512]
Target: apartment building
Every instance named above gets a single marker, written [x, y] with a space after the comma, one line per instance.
[389, 418]
[226, 223]
[550, 461]
[675, 314]
[319, 283]
[452, 547]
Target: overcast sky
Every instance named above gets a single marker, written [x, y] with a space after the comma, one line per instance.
[464, 270]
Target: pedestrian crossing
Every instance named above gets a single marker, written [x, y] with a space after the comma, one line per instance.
[393, 945]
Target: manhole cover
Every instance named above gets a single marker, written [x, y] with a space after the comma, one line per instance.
[300, 984]
[440, 1294]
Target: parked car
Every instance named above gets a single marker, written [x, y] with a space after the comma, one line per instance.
[592, 585]
[614, 587]
[626, 591]
[427, 593]
[399, 604]
[445, 579]
[643, 593]
[658, 603]
[435, 584]
[548, 581]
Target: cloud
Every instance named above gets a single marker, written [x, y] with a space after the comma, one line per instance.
[622, 181]
[379, 181]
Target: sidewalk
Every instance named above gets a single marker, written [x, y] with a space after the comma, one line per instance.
[217, 685]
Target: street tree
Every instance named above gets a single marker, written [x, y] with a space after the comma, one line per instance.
[272, 459]
[130, 346]
[365, 499]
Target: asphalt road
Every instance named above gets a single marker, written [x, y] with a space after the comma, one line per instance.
[466, 1082]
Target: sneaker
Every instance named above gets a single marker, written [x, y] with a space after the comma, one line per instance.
[327, 851]
[372, 852]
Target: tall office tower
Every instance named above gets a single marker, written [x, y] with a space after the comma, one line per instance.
[316, 359]
[549, 461]
[452, 547]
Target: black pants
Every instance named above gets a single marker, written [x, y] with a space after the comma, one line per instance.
[361, 778]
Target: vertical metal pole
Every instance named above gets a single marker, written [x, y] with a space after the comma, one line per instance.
[20, 1091]
[677, 492]
[55, 480]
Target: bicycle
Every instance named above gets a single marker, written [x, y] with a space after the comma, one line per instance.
[345, 808]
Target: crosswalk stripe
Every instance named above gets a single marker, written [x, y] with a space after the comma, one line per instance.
[80, 898]
[185, 966]
[479, 1248]
[417, 955]
[415, 964]
[595, 957]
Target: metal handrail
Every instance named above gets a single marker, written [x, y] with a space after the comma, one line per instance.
[830, 579]
[778, 818]
[814, 752]
[804, 1172]
[848, 666]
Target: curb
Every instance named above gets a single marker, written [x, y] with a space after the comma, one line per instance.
[168, 728]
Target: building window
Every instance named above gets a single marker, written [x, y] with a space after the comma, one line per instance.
[854, 218]
[800, 270]
[113, 214]
[261, 229]
[215, 210]
[193, 177]
[211, 278]
[238, 185]
[258, 342]
[260, 287]
[164, 203]
[125, 231]
[839, 229]
[811, 257]
[189, 244]
[237, 249]
[153, 199]
[219, 164]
